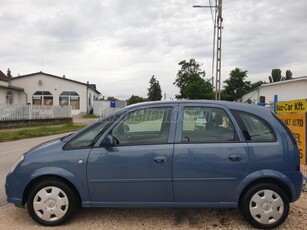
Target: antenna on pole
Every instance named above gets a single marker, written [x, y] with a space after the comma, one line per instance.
[219, 21]
[218, 32]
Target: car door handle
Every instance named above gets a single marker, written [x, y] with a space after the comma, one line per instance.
[160, 159]
[235, 157]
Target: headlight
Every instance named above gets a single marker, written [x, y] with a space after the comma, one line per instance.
[17, 163]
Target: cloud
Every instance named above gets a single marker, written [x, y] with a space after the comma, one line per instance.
[119, 44]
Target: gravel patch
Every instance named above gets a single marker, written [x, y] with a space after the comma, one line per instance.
[148, 218]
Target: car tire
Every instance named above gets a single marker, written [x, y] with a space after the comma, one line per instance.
[265, 206]
[51, 202]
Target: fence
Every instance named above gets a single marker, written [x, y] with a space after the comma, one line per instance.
[30, 112]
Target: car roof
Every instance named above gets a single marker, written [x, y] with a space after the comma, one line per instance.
[228, 104]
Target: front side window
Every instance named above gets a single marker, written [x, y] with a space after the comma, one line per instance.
[254, 128]
[202, 124]
[144, 126]
[88, 138]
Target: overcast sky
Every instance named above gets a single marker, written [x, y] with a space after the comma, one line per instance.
[119, 44]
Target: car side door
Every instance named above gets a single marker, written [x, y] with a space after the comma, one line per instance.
[136, 167]
[208, 162]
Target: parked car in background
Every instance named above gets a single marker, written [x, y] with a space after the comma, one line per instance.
[153, 155]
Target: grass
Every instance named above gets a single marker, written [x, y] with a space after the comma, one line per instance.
[18, 134]
[90, 116]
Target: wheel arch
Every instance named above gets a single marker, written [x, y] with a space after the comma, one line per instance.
[58, 174]
[44, 178]
[269, 180]
[265, 176]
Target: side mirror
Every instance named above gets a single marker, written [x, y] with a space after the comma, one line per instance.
[107, 141]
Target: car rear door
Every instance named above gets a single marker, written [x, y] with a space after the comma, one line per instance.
[208, 163]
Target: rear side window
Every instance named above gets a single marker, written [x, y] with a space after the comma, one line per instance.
[206, 125]
[254, 128]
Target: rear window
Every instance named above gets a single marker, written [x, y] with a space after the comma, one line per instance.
[254, 128]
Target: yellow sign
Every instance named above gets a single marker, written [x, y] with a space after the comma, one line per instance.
[296, 106]
[297, 125]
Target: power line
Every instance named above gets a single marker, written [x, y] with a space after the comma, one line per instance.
[213, 21]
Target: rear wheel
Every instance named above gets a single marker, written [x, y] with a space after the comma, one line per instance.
[265, 206]
[51, 202]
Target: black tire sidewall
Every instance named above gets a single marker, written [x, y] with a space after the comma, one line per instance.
[244, 206]
[55, 183]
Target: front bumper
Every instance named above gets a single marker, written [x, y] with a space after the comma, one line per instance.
[14, 188]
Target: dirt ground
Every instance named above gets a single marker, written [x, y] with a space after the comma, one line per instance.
[160, 218]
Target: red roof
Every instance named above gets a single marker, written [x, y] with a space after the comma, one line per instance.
[3, 77]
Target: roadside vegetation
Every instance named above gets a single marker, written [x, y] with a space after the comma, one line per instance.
[22, 133]
[90, 116]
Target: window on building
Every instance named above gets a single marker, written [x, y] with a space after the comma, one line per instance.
[9, 98]
[70, 98]
[42, 98]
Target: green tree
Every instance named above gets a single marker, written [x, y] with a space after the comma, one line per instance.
[9, 73]
[135, 99]
[275, 76]
[256, 85]
[111, 98]
[190, 80]
[154, 90]
[235, 86]
[288, 75]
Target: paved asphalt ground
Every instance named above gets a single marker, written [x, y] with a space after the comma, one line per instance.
[10, 152]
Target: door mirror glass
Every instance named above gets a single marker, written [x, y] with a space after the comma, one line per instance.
[107, 141]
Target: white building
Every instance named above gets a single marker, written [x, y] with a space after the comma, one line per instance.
[46, 89]
[10, 94]
[103, 108]
[293, 89]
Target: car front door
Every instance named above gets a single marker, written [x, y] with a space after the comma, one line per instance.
[136, 168]
[208, 161]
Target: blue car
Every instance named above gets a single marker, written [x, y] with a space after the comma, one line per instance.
[153, 155]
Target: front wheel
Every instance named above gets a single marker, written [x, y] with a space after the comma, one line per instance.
[51, 202]
[265, 206]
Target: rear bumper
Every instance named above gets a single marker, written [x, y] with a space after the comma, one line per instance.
[297, 184]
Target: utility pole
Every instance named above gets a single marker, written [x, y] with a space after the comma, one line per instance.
[218, 30]
[219, 20]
